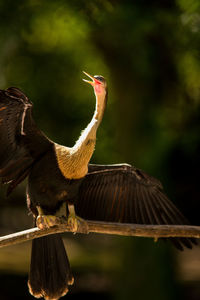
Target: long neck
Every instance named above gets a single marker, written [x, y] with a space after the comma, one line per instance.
[87, 138]
[73, 162]
[100, 107]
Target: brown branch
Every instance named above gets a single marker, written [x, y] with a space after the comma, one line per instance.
[151, 231]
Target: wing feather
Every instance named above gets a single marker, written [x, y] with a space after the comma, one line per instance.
[22, 143]
[148, 208]
[122, 193]
[138, 208]
[113, 202]
[155, 209]
[128, 204]
[126, 207]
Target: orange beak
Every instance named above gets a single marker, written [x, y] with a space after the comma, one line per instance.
[94, 80]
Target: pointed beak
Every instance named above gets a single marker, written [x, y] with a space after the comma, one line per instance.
[94, 80]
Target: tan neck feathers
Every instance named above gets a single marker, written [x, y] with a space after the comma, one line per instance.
[73, 162]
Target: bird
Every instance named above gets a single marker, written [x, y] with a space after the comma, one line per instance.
[61, 181]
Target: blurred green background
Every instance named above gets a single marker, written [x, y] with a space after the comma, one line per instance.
[149, 52]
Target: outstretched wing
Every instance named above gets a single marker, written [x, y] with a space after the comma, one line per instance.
[122, 193]
[21, 142]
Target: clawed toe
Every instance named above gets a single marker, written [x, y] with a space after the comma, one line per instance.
[46, 221]
[75, 222]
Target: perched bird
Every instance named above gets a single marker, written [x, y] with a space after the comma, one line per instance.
[61, 181]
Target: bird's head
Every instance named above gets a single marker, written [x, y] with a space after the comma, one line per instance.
[98, 82]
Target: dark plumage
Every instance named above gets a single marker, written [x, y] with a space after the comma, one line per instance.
[123, 193]
[60, 176]
[49, 268]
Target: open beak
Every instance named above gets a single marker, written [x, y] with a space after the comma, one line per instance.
[94, 80]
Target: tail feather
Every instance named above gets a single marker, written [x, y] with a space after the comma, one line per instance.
[50, 273]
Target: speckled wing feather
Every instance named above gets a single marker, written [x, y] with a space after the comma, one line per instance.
[21, 143]
[122, 193]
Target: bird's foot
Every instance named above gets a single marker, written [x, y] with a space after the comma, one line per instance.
[47, 221]
[76, 223]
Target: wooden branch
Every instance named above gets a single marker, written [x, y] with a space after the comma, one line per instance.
[150, 231]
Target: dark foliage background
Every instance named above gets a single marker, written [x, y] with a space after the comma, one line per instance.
[149, 53]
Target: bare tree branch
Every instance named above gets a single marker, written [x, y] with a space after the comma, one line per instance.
[151, 231]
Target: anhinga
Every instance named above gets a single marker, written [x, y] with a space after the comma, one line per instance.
[61, 178]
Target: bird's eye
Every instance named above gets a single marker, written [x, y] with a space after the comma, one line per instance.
[99, 78]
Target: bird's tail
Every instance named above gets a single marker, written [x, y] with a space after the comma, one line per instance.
[50, 273]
